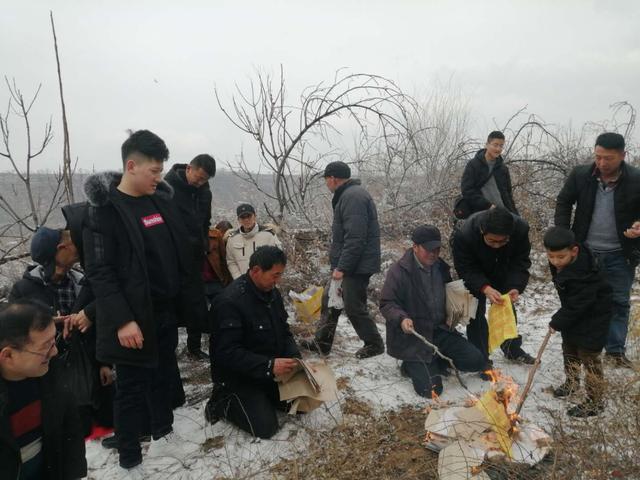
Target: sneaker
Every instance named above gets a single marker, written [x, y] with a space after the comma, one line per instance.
[370, 350]
[134, 473]
[313, 346]
[197, 355]
[112, 441]
[564, 390]
[618, 360]
[171, 445]
[588, 408]
[523, 358]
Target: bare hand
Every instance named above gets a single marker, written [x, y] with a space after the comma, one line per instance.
[67, 324]
[81, 321]
[283, 366]
[337, 275]
[130, 335]
[633, 231]
[513, 295]
[106, 376]
[407, 325]
[493, 295]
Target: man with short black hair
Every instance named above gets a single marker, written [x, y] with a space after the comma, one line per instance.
[252, 346]
[486, 182]
[141, 280]
[491, 255]
[192, 197]
[354, 257]
[606, 194]
[246, 239]
[413, 299]
[40, 433]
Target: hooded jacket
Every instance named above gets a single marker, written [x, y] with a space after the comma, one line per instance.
[476, 174]
[241, 245]
[116, 267]
[478, 264]
[403, 297]
[586, 302]
[194, 204]
[355, 244]
[250, 330]
[580, 189]
[62, 440]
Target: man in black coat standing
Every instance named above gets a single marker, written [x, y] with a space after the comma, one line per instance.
[413, 298]
[253, 346]
[491, 255]
[354, 257]
[140, 277]
[192, 197]
[486, 181]
[40, 433]
[606, 194]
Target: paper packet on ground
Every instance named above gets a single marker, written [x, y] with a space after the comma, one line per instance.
[308, 386]
[308, 303]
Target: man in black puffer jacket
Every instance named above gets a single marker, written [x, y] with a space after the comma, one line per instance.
[491, 255]
[583, 318]
[354, 257]
[253, 345]
[192, 198]
[486, 181]
[141, 280]
[606, 194]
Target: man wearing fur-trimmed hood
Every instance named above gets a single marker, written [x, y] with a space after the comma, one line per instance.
[140, 277]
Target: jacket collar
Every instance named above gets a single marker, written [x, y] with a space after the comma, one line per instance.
[341, 189]
[98, 188]
[480, 157]
[266, 297]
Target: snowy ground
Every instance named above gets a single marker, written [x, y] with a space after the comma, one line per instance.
[220, 450]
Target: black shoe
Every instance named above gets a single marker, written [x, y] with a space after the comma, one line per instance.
[210, 407]
[370, 350]
[524, 358]
[618, 360]
[313, 346]
[112, 442]
[197, 355]
[586, 409]
[564, 390]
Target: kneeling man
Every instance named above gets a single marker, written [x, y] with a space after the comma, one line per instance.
[413, 298]
[252, 345]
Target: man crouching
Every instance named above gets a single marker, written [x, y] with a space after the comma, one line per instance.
[413, 298]
[252, 346]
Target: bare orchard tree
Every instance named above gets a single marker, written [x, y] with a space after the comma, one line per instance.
[25, 207]
[294, 140]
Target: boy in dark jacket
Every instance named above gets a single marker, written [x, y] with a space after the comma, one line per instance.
[583, 318]
[40, 434]
[140, 277]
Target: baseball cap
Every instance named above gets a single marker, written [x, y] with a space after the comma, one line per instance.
[245, 208]
[44, 245]
[427, 236]
[337, 169]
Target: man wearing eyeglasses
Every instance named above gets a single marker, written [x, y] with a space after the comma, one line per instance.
[491, 255]
[40, 433]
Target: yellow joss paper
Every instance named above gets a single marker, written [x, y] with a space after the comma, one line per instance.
[496, 415]
[502, 323]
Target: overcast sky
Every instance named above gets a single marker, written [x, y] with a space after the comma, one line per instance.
[153, 64]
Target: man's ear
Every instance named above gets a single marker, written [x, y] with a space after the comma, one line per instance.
[6, 353]
[575, 250]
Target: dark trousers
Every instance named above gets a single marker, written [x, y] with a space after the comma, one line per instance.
[250, 406]
[620, 275]
[145, 394]
[211, 291]
[478, 333]
[354, 295]
[575, 358]
[427, 377]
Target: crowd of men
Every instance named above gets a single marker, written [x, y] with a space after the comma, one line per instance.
[98, 345]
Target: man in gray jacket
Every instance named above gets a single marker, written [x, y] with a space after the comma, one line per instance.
[354, 257]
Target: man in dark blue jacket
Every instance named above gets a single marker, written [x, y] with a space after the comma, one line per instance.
[354, 257]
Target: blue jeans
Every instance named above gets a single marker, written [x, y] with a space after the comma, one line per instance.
[619, 273]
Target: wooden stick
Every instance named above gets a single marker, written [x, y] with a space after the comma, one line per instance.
[437, 351]
[533, 371]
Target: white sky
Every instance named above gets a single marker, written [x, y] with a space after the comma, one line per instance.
[566, 60]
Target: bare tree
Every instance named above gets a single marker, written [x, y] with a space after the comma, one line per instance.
[294, 140]
[24, 219]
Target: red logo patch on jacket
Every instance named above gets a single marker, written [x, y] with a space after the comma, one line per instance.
[152, 220]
